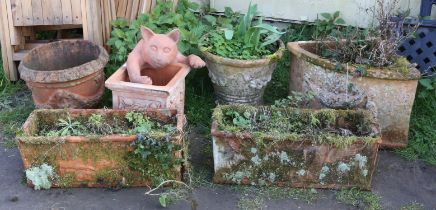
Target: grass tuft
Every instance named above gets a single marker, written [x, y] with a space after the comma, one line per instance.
[422, 133]
[360, 199]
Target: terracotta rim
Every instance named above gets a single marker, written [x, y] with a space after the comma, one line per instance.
[244, 63]
[64, 75]
[297, 50]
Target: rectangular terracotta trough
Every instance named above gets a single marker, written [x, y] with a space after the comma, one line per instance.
[91, 161]
[167, 91]
[295, 159]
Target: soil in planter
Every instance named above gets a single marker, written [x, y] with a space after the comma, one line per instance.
[148, 160]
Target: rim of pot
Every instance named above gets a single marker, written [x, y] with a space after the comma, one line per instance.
[68, 74]
[296, 49]
[244, 63]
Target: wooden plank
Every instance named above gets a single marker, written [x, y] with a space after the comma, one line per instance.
[135, 8]
[67, 14]
[37, 15]
[76, 12]
[56, 7]
[3, 43]
[14, 32]
[9, 66]
[17, 13]
[121, 12]
[113, 9]
[18, 56]
[47, 12]
[26, 7]
[128, 9]
[83, 6]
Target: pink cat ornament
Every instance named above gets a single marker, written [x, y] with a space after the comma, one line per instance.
[157, 51]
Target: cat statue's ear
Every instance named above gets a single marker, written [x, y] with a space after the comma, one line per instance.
[174, 35]
[146, 33]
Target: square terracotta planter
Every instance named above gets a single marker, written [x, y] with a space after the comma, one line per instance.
[296, 159]
[90, 161]
[167, 91]
[392, 91]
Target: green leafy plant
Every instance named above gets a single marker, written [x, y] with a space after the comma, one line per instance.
[141, 123]
[246, 39]
[430, 87]
[154, 158]
[69, 127]
[96, 123]
[239, 120]
[325, 27]
[296, 99]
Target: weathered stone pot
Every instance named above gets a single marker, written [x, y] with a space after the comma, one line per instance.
[241, 81]
[392, 92]
[167, 91]
[65, 74]
[292, 158]
[94, 160]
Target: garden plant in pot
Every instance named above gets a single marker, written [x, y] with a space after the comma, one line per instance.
[241, 56]
[365, 61]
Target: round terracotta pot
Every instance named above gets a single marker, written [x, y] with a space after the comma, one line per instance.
[65, 74]
[241, 81]
[391, 91]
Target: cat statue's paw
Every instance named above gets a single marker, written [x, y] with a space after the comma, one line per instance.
[196, 62]
[146, 80]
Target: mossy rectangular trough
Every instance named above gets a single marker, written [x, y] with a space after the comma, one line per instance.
[294, 147]
[98, 160]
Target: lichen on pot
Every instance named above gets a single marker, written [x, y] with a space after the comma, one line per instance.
[392, 91]
[65, 74]
[92, 157]
[241, 81]
[294, 147]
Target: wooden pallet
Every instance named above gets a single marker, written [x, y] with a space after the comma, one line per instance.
[21, 19]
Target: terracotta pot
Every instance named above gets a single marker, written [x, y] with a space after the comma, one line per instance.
[167, 91]
[241, 81]
[65, 74]
[89, 161]
[392, 92]
[292, 159]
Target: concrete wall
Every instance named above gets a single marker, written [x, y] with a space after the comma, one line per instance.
[353, 11]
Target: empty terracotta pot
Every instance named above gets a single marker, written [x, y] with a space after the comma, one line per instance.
[65, 74]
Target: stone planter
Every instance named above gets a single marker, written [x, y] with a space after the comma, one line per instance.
[167, 91]
[296, 159]
[241, 81]
[94, 160]
[65, 74]
[392, 92]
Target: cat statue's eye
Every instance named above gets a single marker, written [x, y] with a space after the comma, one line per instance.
[153, 47]
[167, 50]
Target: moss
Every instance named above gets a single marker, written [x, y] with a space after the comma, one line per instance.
[275, 125]
[66, 180]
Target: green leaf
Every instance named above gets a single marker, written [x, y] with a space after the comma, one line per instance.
[340, 21]
[211, 19]
[270, 39]
[426, 83]
[327, 16]
[163, 200]
[336, 15]
[228, 33]
[270, 28]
